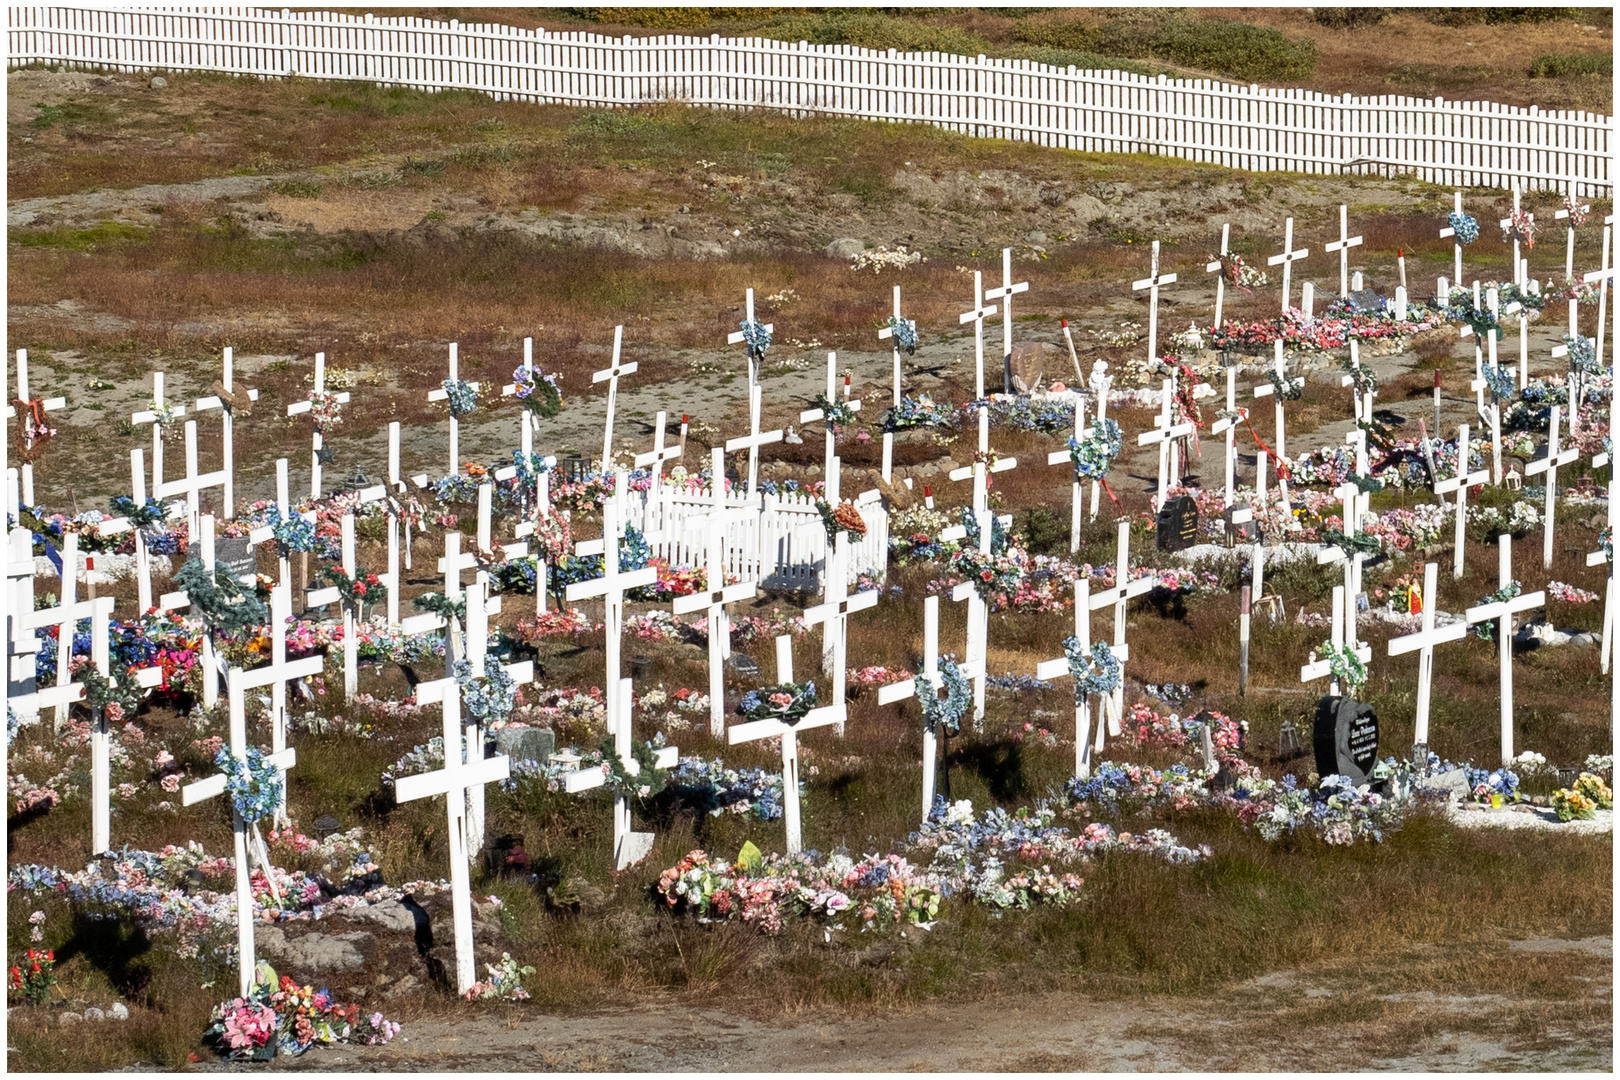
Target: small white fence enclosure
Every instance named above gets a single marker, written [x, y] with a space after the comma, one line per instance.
[1456, 144]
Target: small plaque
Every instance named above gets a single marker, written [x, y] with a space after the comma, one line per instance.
[234, 553]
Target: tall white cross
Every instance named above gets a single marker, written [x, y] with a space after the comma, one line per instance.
[331, 594]
[1063, 457]
[211, 668]
[1287, 260]
[194, 483]
[113, 526]
[1165, 432]
[1601, 275]
[1423, 643]
[527, 424]
[452, 565]
[888, 695]
[1342, 615]
[753, 440]
[834, 615]
[823, 716]
[1005, 292]
[47, 405]
[717, 594]
[480, 606]
[1279, 365]
[227, 407]
[1506, 224]
[1218, 268]
[1456, 245]
[462, 775]
[1153, 283]
[276, 675]
[1610, 595]
[442, 394]
[1227, 426]
[1343, 245]
[1056, 669]
[810, 416]
[1460, 483]
[1549, 465]
[653, 461]
[317, 439]
[629, 847]
[980, 312]
[887, 332]
[159, 430]
[1124, 591]
[1569, 231]
[610, 375]
[738, 336]
[1503, 611]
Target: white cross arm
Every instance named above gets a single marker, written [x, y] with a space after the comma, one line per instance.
[454, 778]
[823, 612]
[213, 401]
[810, 416]
[635, 579]
[764, 729]
[147, 416]
[297, 408]
[1438, 636]
[1163, 279]
[1001, 465]
[274, 673]
[209, 786]
[585, 779]
[736, 336]
[465, 561]
[1323, 668]
[1132, 589]
[1176, 431]
[897, 691]
[744, 442]
[1452, 483]
[1487, 612]
[742, 590]
[977, 313]
[433, 395]
[1056, 669]
[1596, 558]
[1219, 426]
[421, 624]
[954, 532]
[1287, 256]
[54, 616]
[1558, 460]
[888, 331]
[321, 597]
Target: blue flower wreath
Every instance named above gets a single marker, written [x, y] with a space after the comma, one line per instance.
[948, 711]
[1096, 452]
[905, 333]
[460, 396]
[1466, 227]
[757, 337]
[1095, 673]
[292, 533]
[1501, 381]
[488, 697]
[253, 785]
[1582, 353]
[1486, 631]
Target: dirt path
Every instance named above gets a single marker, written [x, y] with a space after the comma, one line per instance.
[1353, 1024]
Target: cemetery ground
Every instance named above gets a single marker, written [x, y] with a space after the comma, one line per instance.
[377, 225]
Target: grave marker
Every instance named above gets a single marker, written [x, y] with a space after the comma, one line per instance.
[1503, 611]
[317, 440]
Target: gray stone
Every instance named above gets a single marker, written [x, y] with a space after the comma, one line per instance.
[119, 1011]
[846, 247]
[69, 1018]
[316, 952]
[1028, 364]
[159, 83]
[526, 743]
[1035, 237]
[410, 984]
[1454, 782]
[389, 914]
[94, 1013]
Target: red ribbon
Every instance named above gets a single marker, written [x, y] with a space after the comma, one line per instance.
[1283, 471]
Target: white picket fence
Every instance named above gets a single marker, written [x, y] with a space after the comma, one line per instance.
[784, 547]
[1476, 143]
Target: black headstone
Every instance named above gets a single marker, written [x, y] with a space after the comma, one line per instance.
[1345, 738]
[327, 825]
[1364, 300]
[1178, 523]
[234, 553]
[744, 665]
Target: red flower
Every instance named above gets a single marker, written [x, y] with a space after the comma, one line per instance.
[986, 575]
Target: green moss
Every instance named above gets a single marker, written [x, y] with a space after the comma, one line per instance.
[106, 232]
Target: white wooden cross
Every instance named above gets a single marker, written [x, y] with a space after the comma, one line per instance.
[454, 562]
[228, 420]
[1503, 611]
[441, 394]
[979, 471]
[462, 775]
[541, 508]
[1505, 223]
[1600, 558]
[629, 847]
[1343, 245]
[1218, 268]
[1005, 292]
[1569, 230]
[210, 665]
[653, 461]
[48, 405]
[737, 336]
[22, 641]
[1056, 669]
[114, 526]
[1265, 389]
[65, 616]
[1227, 426]
[527, 424]
[809, 416]
[899, 691]
[1165, 432]
[1601, 275]
[480, 606]
[316, 439]
[822, 716]
[1153, 283]
[152, 417]
[276, 675]
[1353, 497]
[212, 786]
[611, 587]
[332, 595]
[1423, 643]
[980, 312]
[834, 615]
[1317, 669]
[1287, 260]
[1460, 483]
[887, 332]
[1062, 457]
[1456, 246]
[1124, 591]
[753, 440]
[610, 375]
[718, 594]
[193, 483]
[1549, 465]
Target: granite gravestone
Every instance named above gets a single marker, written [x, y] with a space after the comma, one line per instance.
[1026, 366]
[1178, 523]
[1345, 738]
[526, 743]
[234, 553]
[1364, 300]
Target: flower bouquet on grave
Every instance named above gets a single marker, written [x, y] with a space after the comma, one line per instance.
[244, 1029]
[538, 392]
[1464, 225]
[460, 397]
[152, 513]
[1521, 226]
[1096, 452]
[33, 978]
[919, 412]
[456, 490]
[944, 713]
[164, 415]
[905, 333]
[648, 780]
[363, 588]
[756, 337]
[1493, 786]
[489, 697]
[993, 576]
[1571, 805]
[505, 982]
[1096, 673]
[787, 702]
[1239, 274]
[833, 413]
[292, 533]
[841, 518]
[325, 410]
[1577, 213]
[1582, 354]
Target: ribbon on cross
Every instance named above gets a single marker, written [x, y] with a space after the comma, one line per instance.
[29, 436]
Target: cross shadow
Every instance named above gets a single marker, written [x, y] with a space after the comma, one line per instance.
[999, 764]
